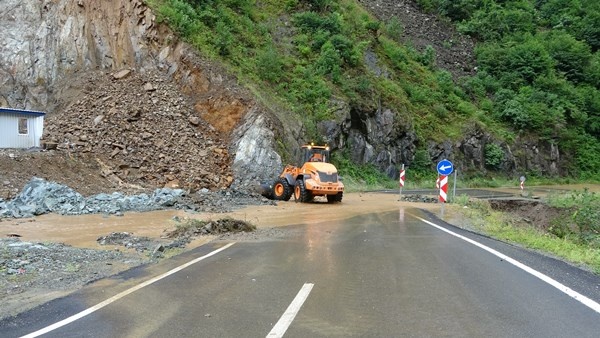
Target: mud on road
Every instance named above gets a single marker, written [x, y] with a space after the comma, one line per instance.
[51, 255]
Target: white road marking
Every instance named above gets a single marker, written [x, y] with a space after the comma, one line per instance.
[121, 295]
[563, 288]
[286, 319]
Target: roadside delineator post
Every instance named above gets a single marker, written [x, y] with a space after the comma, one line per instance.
[401, 182]
[443, 188]
[443, 192]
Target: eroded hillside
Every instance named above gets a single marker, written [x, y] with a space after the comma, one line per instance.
[128, 104]
[453, 51]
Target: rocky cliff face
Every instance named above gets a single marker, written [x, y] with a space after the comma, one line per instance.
[61, 57]
[46, 41]
[164, 122]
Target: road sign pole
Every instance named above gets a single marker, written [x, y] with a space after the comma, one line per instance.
[454, 187]
[442, 211]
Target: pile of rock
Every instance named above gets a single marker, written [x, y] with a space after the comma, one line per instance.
[55, 266]
[40, 197]
[139, 243]
[144, 131]
[419, 198]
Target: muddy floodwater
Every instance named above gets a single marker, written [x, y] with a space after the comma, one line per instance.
[83, 231]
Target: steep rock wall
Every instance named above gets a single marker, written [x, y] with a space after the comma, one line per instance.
[46, 48]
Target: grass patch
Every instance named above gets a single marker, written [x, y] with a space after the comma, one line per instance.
[510, 228]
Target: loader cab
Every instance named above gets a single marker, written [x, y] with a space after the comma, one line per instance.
[312, 153]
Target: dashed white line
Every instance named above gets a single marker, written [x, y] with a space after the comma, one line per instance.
[121, 295]
[563, 288]
[286, 319]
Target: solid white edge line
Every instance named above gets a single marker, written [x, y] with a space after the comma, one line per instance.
[286, 319]
[563, 288]
[121, 295]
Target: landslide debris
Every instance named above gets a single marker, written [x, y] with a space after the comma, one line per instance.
[193, 227]
[31, 273]
[40, 197]
[454, 52]
[185, 231]
[141, 130]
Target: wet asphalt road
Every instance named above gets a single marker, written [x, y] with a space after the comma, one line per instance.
[377, 275]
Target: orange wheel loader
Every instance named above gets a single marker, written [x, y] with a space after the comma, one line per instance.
[316, 177]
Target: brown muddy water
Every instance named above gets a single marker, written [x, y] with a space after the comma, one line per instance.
[84, 230]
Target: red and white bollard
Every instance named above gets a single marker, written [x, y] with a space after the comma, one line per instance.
[402, 174]
[443, 188]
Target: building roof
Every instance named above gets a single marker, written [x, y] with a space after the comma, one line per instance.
[21, 111]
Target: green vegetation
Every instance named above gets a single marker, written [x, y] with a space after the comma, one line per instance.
[565, 239]
[539, 63]
[581, 222]
[303, 54]
[538, 67]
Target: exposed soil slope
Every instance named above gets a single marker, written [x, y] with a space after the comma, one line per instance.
[122, 131]
[454, 51]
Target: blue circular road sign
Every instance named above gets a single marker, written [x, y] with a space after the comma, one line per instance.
[445, 167]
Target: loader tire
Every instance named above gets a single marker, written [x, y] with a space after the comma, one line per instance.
[301, 194]
[335, 198]
[282, 190]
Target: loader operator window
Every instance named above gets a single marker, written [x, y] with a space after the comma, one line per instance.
[316, 158]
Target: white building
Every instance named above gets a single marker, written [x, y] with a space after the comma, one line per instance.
[20, 128]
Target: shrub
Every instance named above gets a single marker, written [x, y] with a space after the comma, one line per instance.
[587, 217]
[269, 65]
[427, 58]
[394, 29]
[312, 22]
[181, 16]
[572, 56]
[421, 160]
[494, 155]
[345, 49]
[457, 9]
[516, 63]
[495, 22]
